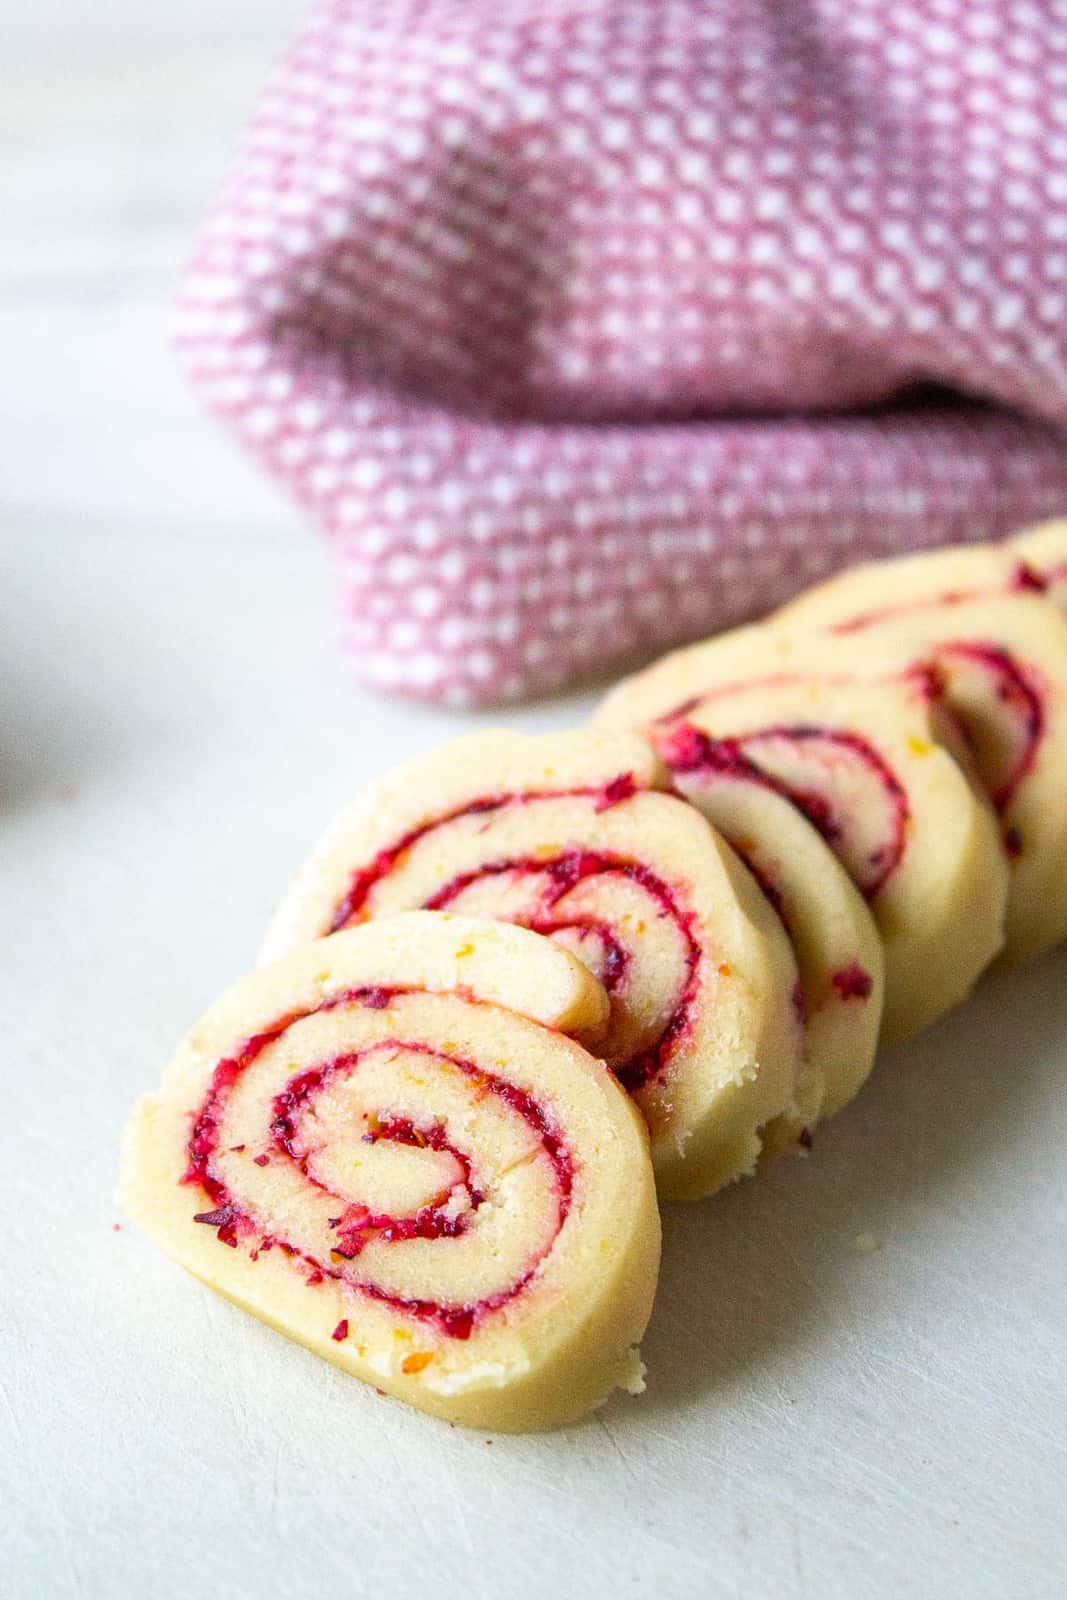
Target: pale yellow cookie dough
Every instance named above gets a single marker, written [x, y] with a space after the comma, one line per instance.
[399, 1160]
[837, 946]
[572, 834]
[1001, 657]
[879, 591]
[846, 735]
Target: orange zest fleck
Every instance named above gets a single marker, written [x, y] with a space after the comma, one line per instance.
[416, 1362]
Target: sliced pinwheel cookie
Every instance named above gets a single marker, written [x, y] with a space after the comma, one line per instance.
[389, 1147]
[572, 835]
[1000, 658]
[869, 757]
[837, 946]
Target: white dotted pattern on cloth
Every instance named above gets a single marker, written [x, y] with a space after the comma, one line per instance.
[584, 328]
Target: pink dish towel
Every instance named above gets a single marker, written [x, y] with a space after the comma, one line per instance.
[583, 327]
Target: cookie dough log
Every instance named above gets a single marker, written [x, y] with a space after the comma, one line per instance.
[572, 835]
[388, 1148]
[1044, 549]
[1001, 662]
[869, 757]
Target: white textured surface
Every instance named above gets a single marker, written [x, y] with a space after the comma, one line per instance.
[822, 1419]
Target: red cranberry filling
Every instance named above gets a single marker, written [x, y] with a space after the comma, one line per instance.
[1027, 577]
[1002, 763]
[1013, 690]
[362, 882]
[619, 789]
[610, 958]
[356, 1225]
[690, 752]
[767, 755]
[564, 873]
[853, 982]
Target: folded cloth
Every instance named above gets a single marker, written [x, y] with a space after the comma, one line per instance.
[586, 326]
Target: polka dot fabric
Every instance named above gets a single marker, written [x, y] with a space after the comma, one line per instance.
[583, 328]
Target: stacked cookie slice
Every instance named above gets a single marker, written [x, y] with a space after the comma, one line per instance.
[525, 983]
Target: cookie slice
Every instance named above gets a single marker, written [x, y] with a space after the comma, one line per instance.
[867, 754]
[838, 950]
[572, 835]
[1001, 661]
[389, 1148]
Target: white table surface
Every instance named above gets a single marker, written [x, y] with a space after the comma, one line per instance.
[821, 1420]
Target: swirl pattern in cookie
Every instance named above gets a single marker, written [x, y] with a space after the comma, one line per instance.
[839, 952]
[572, 835]
[873, 761]
[1001, 663]
[389, 1147]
